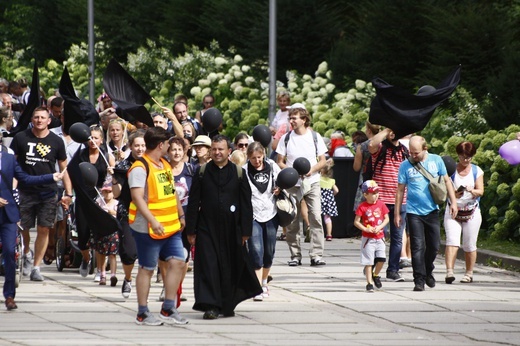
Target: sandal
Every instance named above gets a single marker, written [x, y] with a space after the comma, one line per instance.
[449, 278]
[282, 237]
[466, 279]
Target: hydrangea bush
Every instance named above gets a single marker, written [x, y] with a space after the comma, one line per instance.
[241, 92]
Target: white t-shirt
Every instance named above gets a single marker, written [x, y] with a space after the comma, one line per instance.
[302, 146]
[279, 119]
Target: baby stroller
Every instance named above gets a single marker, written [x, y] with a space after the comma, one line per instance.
[18, 253]
[68, 254]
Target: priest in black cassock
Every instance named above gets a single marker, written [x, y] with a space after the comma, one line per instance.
[219, 221]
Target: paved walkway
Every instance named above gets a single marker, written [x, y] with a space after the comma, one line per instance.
[324, 305]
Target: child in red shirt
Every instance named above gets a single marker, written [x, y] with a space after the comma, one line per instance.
[371, 218]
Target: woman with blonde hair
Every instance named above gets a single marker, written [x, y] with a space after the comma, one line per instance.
[118, 138]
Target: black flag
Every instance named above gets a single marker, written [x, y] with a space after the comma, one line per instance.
[32, 104]
[406, 113]
[74, 109]
[126, 92]
[88, 213]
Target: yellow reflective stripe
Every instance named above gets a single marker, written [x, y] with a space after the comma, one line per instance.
[167, 218]
[170, 203]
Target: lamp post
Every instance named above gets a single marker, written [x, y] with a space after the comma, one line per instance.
[91, 60]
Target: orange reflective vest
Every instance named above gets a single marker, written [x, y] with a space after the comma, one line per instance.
[162, 200]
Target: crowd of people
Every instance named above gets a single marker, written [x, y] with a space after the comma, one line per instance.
[184, 196]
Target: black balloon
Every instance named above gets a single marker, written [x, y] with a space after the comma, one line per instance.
[89, 174]
[302, 165]
[426, 90]
[79, 132]
[450, 164]
[287, 178]
[211, 120]
[262, 134]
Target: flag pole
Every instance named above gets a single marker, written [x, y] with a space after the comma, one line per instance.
[157, 103]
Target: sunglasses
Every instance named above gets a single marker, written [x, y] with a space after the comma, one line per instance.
[243, 145]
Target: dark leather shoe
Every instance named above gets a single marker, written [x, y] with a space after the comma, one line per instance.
[419, 287]
[10, 304]
[210, 314]
[430, 281]
[228, 314]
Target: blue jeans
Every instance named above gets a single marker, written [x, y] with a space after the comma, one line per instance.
[262, 243]
[8, 233]
[396, 238]
[425, 238]
[149, 249]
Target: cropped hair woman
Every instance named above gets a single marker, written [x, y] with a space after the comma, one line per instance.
[468, 181]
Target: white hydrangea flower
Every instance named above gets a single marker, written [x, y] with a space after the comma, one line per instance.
[219, 61]
[320, 81]
[315, 86]
[264, 85]
[312, 94]
[212, 77]
[222, 82]
[330, 87]
[360, 96]
[350, 97]
[290, 75]
[293, 86]
[322, 68]
[306, 77]
[329, 74]
[206, 91]
[323, 92]
[340, 96]
[204, 83]
[237, 58]
[249, 80]
[306, 91]
[238, 74]
[352, 91]
[234, 68]
[360, 84]
[238, 90]
[195, 91]
[235, 84]
[228, 77]
[246, 68]
[316, 100]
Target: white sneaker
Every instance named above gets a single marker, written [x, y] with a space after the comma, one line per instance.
[259, 298]
[147, 319]
[265, 294]
[97, 278]
[27, 263]
[172, 317]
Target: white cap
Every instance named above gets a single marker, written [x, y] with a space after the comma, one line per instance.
[297, 105]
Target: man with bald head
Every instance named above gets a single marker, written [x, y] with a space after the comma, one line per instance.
[422, 213]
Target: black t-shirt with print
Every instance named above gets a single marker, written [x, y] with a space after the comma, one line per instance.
[38, 156]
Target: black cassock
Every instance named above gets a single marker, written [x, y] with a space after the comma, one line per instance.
[220, 213]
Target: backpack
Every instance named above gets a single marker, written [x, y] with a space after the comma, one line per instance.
[203, 169]
[371, 164]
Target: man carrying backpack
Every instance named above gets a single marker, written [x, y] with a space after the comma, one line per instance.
[387, 155]
[302, 141]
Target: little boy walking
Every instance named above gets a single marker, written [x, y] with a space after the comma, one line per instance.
[371, 218]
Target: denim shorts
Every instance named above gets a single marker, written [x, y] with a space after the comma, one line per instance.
[149, 249]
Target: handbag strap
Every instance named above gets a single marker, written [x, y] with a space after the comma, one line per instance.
[421, 170]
